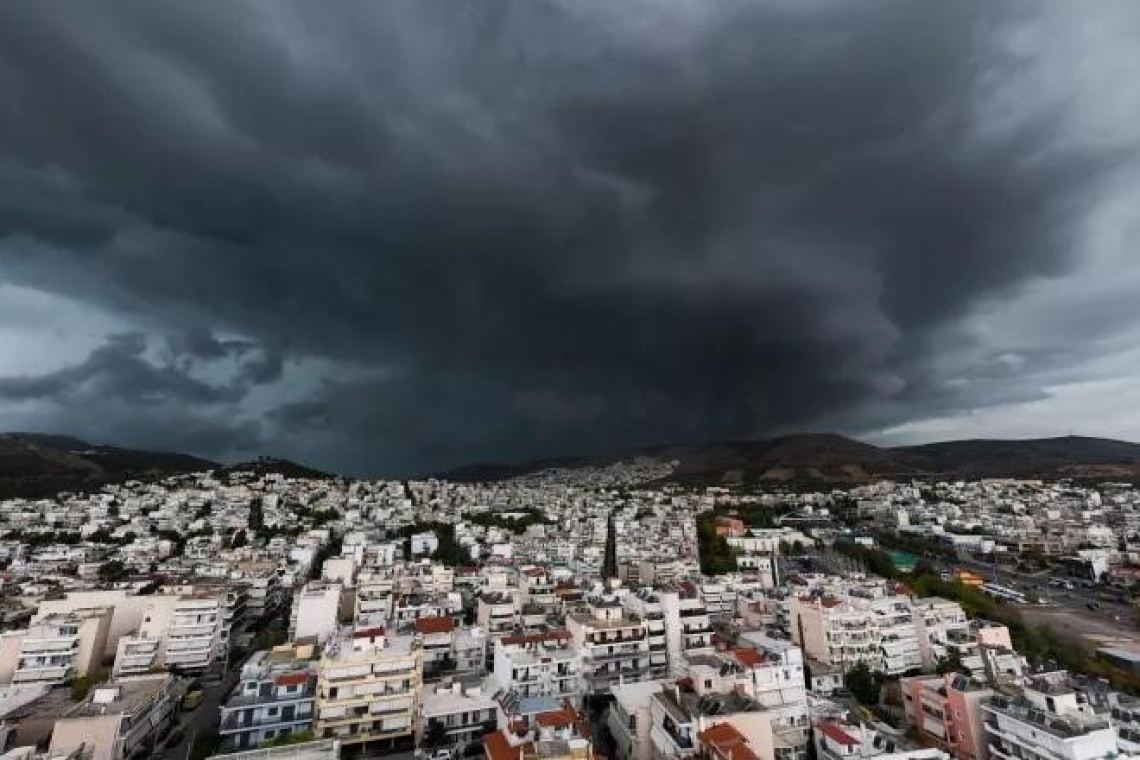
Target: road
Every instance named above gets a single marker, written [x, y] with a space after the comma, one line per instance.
[203, 721]
[1082, 599]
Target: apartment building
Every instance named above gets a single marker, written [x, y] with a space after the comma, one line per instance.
[273, 697]
[882, 630]
[629, 720]
[947, 713]
[373, 602]
[554, 735]
[120, 719]
[497, 613]
[1046, 720]
[538, 665]
[315, 612]
[643, 603]
[55, 647]
[178, 631]
[678, 717]
[774, 678]
[465, 713]
[368, 689]
[127, 611]
[437, 635]
[613, 648]
[688, 626]
[835, 740]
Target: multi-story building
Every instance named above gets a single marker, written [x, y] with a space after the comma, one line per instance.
[613, 648]
[538, 665]
[688, 626]
[881, 629]
[678, 717]
[183, 632]
[118, 720]
[55, 647]
[465, 714]
[628, 718]
[947, 712]
[273, 698]
[645, 604]
[841, 741]
[1046, 720]
[437, 635]
[368, 689]
[315, 612]
[497, 614]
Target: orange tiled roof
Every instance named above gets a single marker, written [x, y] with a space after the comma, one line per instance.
[426, 625]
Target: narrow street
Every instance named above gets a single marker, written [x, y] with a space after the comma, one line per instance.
[202, 722]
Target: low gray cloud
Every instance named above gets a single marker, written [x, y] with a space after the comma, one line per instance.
[416, 235]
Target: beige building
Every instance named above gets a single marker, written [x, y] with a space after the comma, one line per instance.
[128, 610]
[118, 720]
[55, 647]
[186, 632]
[368, 689]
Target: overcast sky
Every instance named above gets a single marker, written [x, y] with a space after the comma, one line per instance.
[396, 237]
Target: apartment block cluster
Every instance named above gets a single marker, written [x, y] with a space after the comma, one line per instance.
[1093, 532]
[557, 615]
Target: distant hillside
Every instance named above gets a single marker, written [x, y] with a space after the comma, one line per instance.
[275, 466]
[830, 458]
[1071, 456]
[35, 464]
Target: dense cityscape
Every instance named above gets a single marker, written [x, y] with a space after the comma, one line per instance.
[571, 613]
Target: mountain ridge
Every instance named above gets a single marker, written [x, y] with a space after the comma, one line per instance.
[834, 458]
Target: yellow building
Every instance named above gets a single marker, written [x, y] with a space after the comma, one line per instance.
[368, 689]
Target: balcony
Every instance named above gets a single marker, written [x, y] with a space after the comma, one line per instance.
[232, 724]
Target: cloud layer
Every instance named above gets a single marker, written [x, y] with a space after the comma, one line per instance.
[397, 237]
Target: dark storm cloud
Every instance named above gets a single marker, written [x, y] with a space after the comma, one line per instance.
[516, 228]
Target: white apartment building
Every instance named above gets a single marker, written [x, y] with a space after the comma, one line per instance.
[646, 605]
[315, 611]
[55, 648]
[688, 626]
[178, 631]
[465, 714]
[368, 689]
[1047, 720]
[538, 665]
[613, 648]
[883, 630]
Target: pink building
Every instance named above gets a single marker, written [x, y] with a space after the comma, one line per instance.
[947, 710]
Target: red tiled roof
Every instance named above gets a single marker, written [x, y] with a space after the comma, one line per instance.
[721, 735]
[535, 572]
[749, 658]
[291, 679]
[427, 625]
[368, 633]
[835, 733]
[498, 747]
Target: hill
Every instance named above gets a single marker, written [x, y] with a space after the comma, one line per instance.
[36, 464]
[836, 459]
[1070, 456]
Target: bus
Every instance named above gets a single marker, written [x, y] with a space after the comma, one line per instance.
[1004, 592]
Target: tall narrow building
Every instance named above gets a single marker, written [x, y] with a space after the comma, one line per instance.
[609, 562]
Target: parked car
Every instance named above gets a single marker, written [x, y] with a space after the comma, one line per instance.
[192, 700]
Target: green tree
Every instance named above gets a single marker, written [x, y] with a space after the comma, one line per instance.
[864, 684]
[435, 735]
[112, 570]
